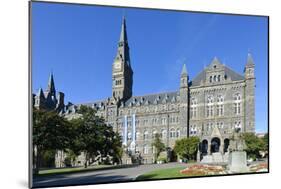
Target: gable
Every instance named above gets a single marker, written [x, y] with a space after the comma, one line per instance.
[216, 67]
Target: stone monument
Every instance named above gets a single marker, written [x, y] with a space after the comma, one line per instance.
[237, 156]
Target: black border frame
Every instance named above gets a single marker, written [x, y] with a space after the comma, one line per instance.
[30, 144]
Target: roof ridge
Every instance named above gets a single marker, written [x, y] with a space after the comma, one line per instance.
[155, 93]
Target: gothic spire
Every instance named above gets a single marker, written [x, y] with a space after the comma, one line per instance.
[40, 92]
[183, 71]
[123, 35]
[250, 61]
[123, 47]
[51, 85]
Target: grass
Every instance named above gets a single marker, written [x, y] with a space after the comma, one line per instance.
[163, 173]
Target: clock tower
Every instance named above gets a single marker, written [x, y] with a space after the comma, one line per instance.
[122, 73]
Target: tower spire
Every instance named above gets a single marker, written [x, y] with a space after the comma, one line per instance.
[183, 71]
[40, 92]
[184, 77]
[51, 85]
[250, 61]
[123, 35]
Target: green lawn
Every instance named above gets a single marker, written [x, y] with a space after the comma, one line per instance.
[163, 173]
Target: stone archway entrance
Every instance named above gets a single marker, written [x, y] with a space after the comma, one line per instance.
[215, 145]
[204, 147]
[226, 144]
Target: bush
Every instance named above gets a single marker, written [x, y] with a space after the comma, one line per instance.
[162, 159]
[187, 148]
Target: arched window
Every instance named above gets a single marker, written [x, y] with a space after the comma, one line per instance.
[220, 106]
[178, 134]
[154, 132]
[172, 133]
[193, 108]
[215, 78]
[145, 149]
[163, 121]
[219, 78]
[145, 135]
[210, 106]
[163, 134]
[211, 79]
[129, 136]
[137, 148]
[137, 135]
[237, 104]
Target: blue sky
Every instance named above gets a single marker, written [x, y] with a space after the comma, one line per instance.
[78, 43]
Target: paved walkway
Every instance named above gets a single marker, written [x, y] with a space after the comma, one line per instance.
[101, 176]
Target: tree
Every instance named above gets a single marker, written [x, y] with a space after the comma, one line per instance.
[254, 145]
[93, 137]
[266, 142]
[50, 132]
[158, 145]
[187, 147]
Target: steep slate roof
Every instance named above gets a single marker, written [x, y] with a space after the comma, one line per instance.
[140, 100]
[152, 99]
[228, 72]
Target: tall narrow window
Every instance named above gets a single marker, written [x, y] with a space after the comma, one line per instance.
[137, 135]
[193, 108]
[163, 134]
[210, 106]
[154, 132]
[129, 136]
[220, 106]
[145, 149]
[145, 135]
[237, 104]
[178, 133]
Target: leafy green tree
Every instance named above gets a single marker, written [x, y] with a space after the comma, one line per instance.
[158, 145]
[50, 132]
[93, 137]
[266, 142]
[254, 145]
[187, 147]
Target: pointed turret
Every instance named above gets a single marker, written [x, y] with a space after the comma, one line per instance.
[249, 73]
[184, 91]
[249, 70]
[250, 61]
[184, 77]
[123, 35]
[51, 86]
[40, 93]
[39, 99]
[183, 71]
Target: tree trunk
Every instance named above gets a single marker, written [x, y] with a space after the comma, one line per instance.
[38, 162]
[86, 160]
